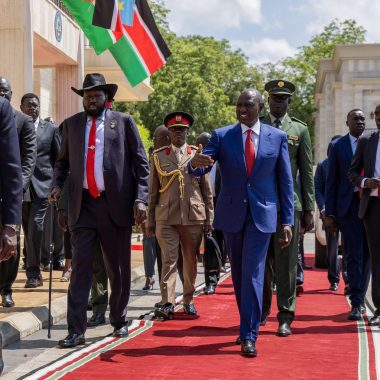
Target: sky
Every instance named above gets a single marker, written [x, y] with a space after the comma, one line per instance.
[268, 30]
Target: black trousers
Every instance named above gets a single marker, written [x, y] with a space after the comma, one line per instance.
[212, 277]
[95, 223]
[372, 228]
[58, 253]
[9, 270]
[33, 218]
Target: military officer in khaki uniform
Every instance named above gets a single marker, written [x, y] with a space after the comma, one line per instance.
[180, 209]
[282, 263]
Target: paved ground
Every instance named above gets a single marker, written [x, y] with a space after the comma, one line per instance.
[34, 348]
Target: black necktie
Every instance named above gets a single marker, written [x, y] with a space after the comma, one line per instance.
[276, 123]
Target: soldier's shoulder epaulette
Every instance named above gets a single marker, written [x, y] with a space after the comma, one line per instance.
[298, 121]
[161, 149]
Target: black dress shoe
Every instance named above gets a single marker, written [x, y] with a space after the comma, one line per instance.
[165, 311]
[121, 332]
[157, 305]
[263, 321]
[72, 340]
[190, 309]
[346, 290]
[355, 314]
[96, 320]
[307, 267]
[284, 329]
[59, 265]
[363, 308]
[333, 286]
[209, 289]
[7, 300]
[34, 282]
[299, 290]
[238, 341]
[248, 348]
[374, 321]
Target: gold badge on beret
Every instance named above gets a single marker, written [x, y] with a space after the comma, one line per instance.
[280, 84]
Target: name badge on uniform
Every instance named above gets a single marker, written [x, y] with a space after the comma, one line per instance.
[294, 138]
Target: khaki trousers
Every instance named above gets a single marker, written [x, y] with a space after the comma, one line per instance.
[169, 238]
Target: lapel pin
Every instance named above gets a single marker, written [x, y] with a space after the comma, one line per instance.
[113, 124]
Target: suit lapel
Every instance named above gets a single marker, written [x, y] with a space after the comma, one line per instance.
[373, 151]
[111, 128]
[347, 147]
[237, 146]
[286, 123]
[264, 141]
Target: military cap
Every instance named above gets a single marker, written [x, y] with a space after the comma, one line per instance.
[280, 87]
[178, 119]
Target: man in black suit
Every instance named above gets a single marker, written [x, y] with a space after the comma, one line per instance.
[35, 203]
[367, 159]
[108, 191]
[27, 144]
[10, 188]
[342, 200]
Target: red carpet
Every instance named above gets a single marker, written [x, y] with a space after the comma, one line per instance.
[324, 344]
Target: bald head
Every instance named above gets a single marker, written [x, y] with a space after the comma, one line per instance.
[161, 137]
[203, 139]
[248, 107]
[5, 88]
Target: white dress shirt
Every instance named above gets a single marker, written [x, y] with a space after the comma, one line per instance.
[376, 174]
[36, 123]
[99, 151]
[254, 136]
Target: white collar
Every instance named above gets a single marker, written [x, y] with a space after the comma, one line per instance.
[37, 122]
[256, 128]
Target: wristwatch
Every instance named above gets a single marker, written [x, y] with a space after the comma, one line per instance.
[14, 227]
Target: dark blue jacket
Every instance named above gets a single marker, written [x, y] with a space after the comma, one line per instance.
[339, 190]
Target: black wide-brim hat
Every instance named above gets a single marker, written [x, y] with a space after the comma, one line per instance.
[96, 81]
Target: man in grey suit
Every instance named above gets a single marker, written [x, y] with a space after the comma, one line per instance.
[10, 188]
[365, 174]
[103, 152]
[27, 144]
[35, 204]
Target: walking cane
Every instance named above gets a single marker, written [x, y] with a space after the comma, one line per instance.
[51, 252]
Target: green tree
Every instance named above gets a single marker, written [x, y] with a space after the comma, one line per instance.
[302, 68]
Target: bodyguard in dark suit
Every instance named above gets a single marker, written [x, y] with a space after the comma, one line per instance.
[10, 188]
[342, 207]
[332, 238]
[27, 144]
[35, 202]
[367, 158]
[103, 155]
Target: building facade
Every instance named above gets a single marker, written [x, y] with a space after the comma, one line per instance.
[44, 51]
[351, 79]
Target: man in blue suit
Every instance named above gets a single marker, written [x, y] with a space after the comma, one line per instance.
[255, 174]
[332, 238]
[341, 211]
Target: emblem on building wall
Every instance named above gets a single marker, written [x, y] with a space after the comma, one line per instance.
[58, 26]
